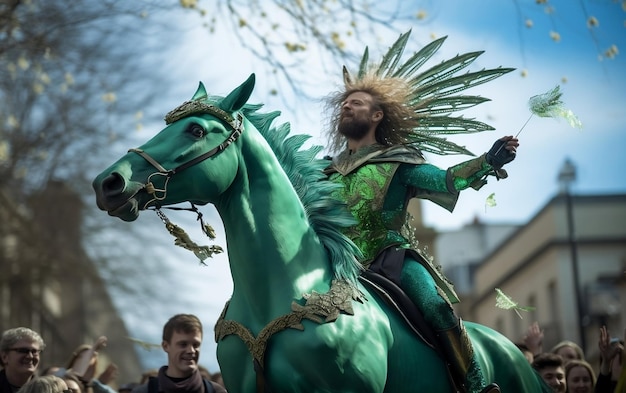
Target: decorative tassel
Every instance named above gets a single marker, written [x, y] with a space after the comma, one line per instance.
[183, 240]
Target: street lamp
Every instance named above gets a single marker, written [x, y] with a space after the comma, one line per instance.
[566, 177]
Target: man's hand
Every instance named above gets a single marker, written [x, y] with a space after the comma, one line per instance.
[502, 152]
[608, 350]
[109, 374]
[534, 338]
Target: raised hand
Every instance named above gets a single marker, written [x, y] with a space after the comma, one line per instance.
[534, 338]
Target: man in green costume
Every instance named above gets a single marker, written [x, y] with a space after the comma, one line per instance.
[381, 167]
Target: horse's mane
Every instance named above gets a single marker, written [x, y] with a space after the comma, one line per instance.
[326, 213]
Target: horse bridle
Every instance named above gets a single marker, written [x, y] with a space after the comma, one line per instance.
[159, 194]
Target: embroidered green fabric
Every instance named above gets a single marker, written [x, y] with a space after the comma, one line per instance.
[378, 183]
[471, 173]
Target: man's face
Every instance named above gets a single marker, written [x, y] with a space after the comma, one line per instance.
[21, 359]
[554, 377]
[356, 116]
[183, 352]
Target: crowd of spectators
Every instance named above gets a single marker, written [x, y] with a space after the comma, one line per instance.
[565, 369]
[21, 348]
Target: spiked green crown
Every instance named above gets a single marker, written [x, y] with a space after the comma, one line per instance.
[430, 95]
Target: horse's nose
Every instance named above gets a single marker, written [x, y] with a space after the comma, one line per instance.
[112, 185]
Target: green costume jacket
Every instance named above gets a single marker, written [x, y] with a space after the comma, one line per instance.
[378, 182]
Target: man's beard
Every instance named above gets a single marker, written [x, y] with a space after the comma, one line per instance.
[353, 128]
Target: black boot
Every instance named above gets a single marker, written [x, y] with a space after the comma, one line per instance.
[491, 388]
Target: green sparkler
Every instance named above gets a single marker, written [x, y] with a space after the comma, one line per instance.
[549, 104]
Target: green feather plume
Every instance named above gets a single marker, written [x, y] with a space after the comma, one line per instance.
[507, 303]
[434, 94]
[549, 104]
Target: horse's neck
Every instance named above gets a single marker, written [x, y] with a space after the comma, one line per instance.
[273, 251]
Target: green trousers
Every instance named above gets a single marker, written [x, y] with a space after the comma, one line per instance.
[419, 285]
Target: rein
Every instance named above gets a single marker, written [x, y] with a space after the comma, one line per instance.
[159, 194]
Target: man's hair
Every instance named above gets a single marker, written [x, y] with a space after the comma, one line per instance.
[13, 336]
[45, 384]
[390, 95]
[186, 323]
[547, 359]
[580, 355]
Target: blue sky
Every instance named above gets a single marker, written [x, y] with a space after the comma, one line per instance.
[594, 89]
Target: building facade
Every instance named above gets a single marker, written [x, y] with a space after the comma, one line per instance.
[49, 284]
[568, 263]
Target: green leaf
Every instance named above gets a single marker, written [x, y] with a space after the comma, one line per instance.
[490, 201]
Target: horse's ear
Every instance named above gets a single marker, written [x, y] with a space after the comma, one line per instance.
[200, 94]
[238, 97]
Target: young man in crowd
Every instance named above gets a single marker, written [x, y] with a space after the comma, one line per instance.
[182, 340]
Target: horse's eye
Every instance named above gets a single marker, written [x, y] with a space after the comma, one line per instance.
[196, 131]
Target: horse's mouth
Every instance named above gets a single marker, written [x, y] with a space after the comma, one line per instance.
[128, 211]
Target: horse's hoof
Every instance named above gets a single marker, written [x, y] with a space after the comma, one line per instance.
[491, 388]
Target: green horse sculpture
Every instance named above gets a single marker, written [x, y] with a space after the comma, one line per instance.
[298, 320]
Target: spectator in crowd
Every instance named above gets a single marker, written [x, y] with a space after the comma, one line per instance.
[83, 364]
[182, 340]
[568, 350]
[72, 382]
[217, 378]
[20, 350]
[611, 358]
[45, 384]
[579, 377]
[550, 367]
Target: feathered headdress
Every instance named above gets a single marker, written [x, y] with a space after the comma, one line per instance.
[422, 101]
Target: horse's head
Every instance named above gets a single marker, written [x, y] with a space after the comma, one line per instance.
[173, 166]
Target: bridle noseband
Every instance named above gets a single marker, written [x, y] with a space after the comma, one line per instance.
[186, 109]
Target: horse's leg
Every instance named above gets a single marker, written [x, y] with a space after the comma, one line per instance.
[236, 365]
